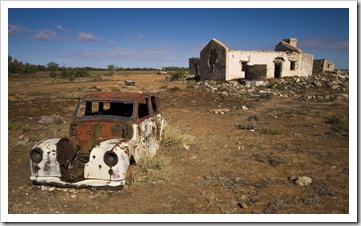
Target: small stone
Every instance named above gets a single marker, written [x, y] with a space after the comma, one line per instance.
[193, 157]
[45, 120]
[57, 119]
[221, 110]
[244, 108]
[186, 147]
[303, 181]
[73, 196]
[240, 148]
[318, 84]
[26, 128]
[243, 205]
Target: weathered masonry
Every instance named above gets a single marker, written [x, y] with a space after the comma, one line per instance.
[194, 63]
[218, 62]
[322, 65]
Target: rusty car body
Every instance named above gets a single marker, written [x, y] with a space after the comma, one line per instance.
[109, 131]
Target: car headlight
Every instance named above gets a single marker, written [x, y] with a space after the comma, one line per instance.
[36, 155]
[110, 158]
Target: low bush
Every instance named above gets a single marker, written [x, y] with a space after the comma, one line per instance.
[339, 122]
[13, 125]
[174, 137]
[153, 169]
[271, 131]
[176, 76]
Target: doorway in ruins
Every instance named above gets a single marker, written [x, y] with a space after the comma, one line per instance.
[278, 70]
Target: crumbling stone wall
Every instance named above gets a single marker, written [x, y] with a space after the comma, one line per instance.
[322, 65]
[213, 61]
[194, 64]
[306, 65]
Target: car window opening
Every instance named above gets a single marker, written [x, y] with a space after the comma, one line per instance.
[143, 108]
[91, 108]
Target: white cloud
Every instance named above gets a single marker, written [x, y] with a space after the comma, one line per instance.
[112, 43]
[87, 37]
[324, 43]
[132, 35]
[14, 29]
[45, 35]
[140, 37]
[59, 27]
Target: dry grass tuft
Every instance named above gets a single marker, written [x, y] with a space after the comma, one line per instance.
[174, 137]
[153, 169]
[339, 122]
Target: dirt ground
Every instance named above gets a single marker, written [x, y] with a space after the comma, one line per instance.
[226, 170]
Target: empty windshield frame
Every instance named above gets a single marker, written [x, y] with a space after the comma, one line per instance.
[105, 108]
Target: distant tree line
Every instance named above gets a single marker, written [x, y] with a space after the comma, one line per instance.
[17, 67]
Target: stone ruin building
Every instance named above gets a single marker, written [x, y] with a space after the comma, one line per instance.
[322, 66]
[219, 63]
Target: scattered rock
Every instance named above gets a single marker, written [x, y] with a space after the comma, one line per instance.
[57, 119]
[303, 181]
[220, 110]
[47, 120]
[323, 86]
[243, 205]
[250, 126]
[185, 146]
[26, 128]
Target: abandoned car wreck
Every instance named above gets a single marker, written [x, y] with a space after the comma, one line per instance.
[109, 131]
[219, 63]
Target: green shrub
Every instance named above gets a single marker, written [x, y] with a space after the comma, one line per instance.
[52, 74]
[339, 122]
[177, 75]
[271, 131]
[81, 72]
[13, 125]
[67, 73]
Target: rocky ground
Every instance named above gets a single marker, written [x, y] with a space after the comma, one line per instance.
[278, 148]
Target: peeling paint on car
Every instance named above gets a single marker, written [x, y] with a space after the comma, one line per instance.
[107, 131]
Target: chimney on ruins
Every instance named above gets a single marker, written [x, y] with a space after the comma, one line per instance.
[291, 41]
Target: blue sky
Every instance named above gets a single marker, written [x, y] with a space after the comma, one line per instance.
[160, 37]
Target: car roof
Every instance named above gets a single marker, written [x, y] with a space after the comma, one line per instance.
[117, 95]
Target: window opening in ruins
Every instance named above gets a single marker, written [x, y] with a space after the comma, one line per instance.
[292, 65]
[213, 59]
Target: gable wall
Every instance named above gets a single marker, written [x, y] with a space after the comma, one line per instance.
[213, 62]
